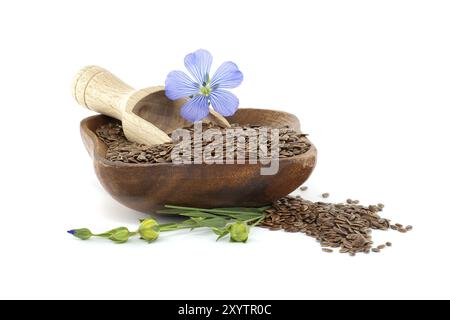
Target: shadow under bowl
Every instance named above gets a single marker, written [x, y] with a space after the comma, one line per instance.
[148, 187]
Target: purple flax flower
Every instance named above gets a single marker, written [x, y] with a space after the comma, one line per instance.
[203, 90]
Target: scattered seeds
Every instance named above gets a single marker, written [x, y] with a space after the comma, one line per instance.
[344, 226]
[327, 250]
[381, 246]
[388, 244]
[400, 228]
[325, 195]
[303, 188]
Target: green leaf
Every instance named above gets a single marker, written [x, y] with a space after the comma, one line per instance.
[198, 214]
[222, 211]
[245, 217]
[170, 211]
[214, 222]
[220, 232]
[222, 235]
[186, 213]
[243, 209]
[242, 214]
[197, 219]
[263, 209]
[217, 231]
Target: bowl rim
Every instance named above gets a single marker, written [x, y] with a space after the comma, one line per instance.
[97, 143]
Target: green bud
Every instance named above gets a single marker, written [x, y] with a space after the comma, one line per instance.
[239, 232]
[119, 235]
[149, 230]
[83, 234]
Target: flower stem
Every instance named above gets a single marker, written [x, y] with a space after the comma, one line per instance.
[216, 211]
[218, 118]
[258, 221]
[175, 226]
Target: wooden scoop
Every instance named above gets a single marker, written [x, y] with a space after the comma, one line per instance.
[147, 115]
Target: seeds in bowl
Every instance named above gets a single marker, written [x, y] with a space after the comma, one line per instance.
[291, 143]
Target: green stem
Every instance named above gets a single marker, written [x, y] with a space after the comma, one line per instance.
[258, 221]
[174, 226]
[216, 211]
[108, 234]
[104, 235]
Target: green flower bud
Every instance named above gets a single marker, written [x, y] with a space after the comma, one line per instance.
[149, 230]
[119, 235]
[239, 232]
[83, 234]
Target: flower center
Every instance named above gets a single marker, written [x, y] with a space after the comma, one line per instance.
[205, 90]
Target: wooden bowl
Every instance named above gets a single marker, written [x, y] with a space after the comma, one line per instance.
[147, 187]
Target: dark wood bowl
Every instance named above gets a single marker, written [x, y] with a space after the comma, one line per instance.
[147, 187]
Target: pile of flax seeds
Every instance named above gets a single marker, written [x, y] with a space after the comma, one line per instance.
[343, 226]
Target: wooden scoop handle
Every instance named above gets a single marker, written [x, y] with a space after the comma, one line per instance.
[99, 90]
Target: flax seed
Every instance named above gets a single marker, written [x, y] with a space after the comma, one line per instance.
[344, 226]
[120, 149]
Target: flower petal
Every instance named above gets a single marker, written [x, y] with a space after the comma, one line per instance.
[180, 85]
[198, 64]
[196, 108]
[224, 102]
[227, 76]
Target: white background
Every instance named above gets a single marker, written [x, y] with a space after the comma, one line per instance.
[369, 81]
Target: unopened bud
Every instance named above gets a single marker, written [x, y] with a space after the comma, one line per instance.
[239, 232]
[83, 234]
[119, 235]
[149, 230]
